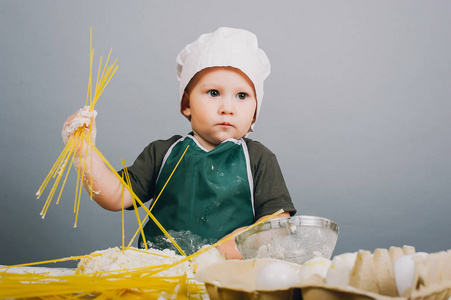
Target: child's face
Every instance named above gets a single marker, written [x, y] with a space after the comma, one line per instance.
[222, 105]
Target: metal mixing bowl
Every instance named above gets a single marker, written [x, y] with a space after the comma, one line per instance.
[296, 239]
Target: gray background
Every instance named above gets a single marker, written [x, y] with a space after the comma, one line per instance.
[357, 109]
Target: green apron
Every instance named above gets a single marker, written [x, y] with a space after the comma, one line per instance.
[209, 195]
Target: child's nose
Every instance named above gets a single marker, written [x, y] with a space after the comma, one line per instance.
[227, 107]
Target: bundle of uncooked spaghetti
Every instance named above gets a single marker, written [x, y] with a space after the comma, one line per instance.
[79, 141]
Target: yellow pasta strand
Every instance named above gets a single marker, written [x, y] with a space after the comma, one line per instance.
[91, 57]
[123, 217]
[98, 73]
[71, 153]
[134, 203]
[138, 230]
[91, 190]
[81, 176]
[52, 170]
[175, 168]
[77, 189]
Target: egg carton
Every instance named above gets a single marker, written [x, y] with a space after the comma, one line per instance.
[394, 273]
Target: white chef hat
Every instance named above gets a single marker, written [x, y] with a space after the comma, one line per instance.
[226, 47]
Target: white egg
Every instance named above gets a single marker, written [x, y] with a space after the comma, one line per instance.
[404, 271]
[277, 276]
[316, 265]
[340, 269]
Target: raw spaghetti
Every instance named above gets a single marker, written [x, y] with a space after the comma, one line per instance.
[144, 282]
[79, 141]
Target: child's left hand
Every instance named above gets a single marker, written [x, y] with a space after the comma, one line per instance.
[229, 248]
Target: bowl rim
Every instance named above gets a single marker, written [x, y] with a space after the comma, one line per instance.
[288, 222]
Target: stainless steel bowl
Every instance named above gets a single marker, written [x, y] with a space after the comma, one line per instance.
[296, 239]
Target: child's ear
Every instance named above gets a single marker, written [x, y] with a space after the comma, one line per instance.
[186, 110]
[255, 117]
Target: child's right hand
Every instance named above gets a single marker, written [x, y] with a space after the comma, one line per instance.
[82, 117]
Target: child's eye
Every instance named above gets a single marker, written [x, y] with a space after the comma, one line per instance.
[241, 96]
[213, 93]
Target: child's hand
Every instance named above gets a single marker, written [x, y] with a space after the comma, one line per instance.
[229, 248]
[82, 117]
